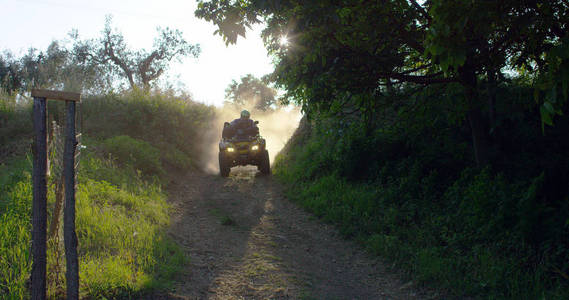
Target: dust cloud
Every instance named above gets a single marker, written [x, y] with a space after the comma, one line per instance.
[276, 126]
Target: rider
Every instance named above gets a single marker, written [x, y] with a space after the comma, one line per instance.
[245, 123]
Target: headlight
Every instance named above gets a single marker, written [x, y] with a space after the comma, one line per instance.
[230, 149]
[255, 148]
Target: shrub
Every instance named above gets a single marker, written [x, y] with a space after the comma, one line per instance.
[174, 125]
[137, 154]
[15, 126]
[408, 193]
[123, 247]
[15, 228]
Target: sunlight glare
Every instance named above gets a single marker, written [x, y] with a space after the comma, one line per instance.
[284, 40]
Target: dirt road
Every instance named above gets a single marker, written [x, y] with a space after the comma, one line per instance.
[247, 241]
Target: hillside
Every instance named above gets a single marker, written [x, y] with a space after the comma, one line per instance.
[433, 139]
[408, 189]
[130, 144]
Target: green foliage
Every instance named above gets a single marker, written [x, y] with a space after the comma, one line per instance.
[552, 88]
[348, 56]
[15, 228]
[173, 125]
[95, 65]
[137, 154]
[224, 219]
[122, 212]
[405, 189]
[123, 249]
[57, 67]
[121, 233]
[176, 158]
[251, 93]
[140, 68]
[15, 126]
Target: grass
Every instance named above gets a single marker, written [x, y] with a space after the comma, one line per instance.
[224, 219]
[122, 213]
[123, 249]
[422, 249]
[169, 124]
[469, 235]
[15, 228]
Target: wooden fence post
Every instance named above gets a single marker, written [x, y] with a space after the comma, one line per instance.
[39, 211]
[72, 273]
[39, 204]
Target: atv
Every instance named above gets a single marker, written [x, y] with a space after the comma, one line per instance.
[243, 149]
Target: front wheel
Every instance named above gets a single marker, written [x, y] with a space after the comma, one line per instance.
[223, 166]
[265, 166]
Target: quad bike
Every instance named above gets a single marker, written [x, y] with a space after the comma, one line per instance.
[243, 149]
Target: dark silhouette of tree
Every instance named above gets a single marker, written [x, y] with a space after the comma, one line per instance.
[251, 92]
[10, 73]
[139, 67]
[93, 66]
[55, 68]
[354, 52]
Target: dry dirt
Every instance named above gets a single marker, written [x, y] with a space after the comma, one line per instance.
[245, 240]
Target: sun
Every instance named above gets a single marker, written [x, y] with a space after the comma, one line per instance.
[284, 40]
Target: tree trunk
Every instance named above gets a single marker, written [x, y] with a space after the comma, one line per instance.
[480, 139]
[479, 136]
[146, 86]
[492, 98]
[130, 79]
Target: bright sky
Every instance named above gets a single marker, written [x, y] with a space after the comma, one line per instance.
[35, 23]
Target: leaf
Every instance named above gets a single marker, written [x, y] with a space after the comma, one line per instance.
[344, 12]
[549, 108]
[435, 50]
[565, 84]
[553, 94]
[545, 117]
[460, 59]
[444, 65]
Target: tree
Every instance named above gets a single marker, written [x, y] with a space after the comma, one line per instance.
[58, 67]
[251, 92]
[93, 66]
[140, 68]
[475, 40]
[356, 51]
[10, 73]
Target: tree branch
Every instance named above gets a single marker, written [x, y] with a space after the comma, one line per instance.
[423, 79]
[421, 10]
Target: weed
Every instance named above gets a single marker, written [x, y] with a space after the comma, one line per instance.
[134, 153]
[224, 219]
[472, 231]
[227, 221]
[123, 249]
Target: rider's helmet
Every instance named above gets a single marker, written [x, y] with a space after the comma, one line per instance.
[245, 114]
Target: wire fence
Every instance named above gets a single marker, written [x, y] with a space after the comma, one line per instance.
[56, 191]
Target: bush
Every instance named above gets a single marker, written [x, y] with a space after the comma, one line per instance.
[410, 192]
[173, 125]
[122, 212]
[134, 153]
[15, 228]
[123, 246]
[16, 126]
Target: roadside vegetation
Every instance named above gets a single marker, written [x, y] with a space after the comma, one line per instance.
[136, 132]
[435, 132]
[408, 189]
[130, 142]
